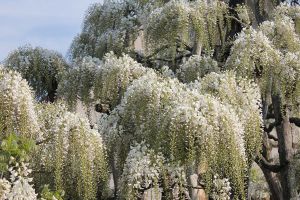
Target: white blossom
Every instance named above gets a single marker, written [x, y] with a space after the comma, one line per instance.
[4, 188]
[17, 107]
[221, 188]
[21, 187]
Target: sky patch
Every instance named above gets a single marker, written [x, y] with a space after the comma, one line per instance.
[49, 24]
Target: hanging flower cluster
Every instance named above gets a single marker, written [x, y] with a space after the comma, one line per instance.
[173, 17]
[190, 123]
[242, 95]
[17, 110]
[221, 189]
[108, 26]
[187, 22]
[196, 67]
[161, 125]
[144, 169]
[71, 154]
[185, 125]
[270, 55]
[208, 22]
[103, 82]
[4, 188]
[114, 76]
[19, 185]
[78, 81]
[284, 9]
[115, 26]
[42, 68]
[243, 14]
[281, 32]
[253, 55]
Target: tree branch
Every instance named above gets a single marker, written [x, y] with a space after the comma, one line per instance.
[156, 51]
[270, 127]
[237, 20]
[270, 136]
[199, 187]
[171, 187]
[295, 121]
[43, 141]
[176, 58]
[144, 59]
[103, 108]
[261, 161]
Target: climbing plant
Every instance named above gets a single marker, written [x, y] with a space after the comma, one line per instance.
[188, 94]
[69, 155]
[41, 67]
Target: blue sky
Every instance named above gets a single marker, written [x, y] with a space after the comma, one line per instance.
[50, 24]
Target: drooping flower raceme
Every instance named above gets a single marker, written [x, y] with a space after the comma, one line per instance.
[269, 55]
[145, 169]
[242, 95]
[78, 81]
[104, 82]
[21, 187]
[184, 23]
[196, 67]
[17, 110]
[42, 68]
[142, 170]
[4, 188]
[71, 154]
[221, 188]
[185, 125]
[109, 26]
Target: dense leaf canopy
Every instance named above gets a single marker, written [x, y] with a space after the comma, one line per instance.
[42, 69]
[181, 105]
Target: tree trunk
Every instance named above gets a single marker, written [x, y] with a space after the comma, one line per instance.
[115, 176]
[283, 185]
[274, 184]
[285, 149]
[193, 174]
[51, 96]
[197, 47]
[287, 174]
[288, 182]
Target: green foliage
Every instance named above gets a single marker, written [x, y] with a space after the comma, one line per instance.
[161, 126]
[15, 152]
[109, 26]
[196, 67]
[14, 146]
[42, 68]
[270, 56]
[184, 23]
[103, 82]
[47, 194]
